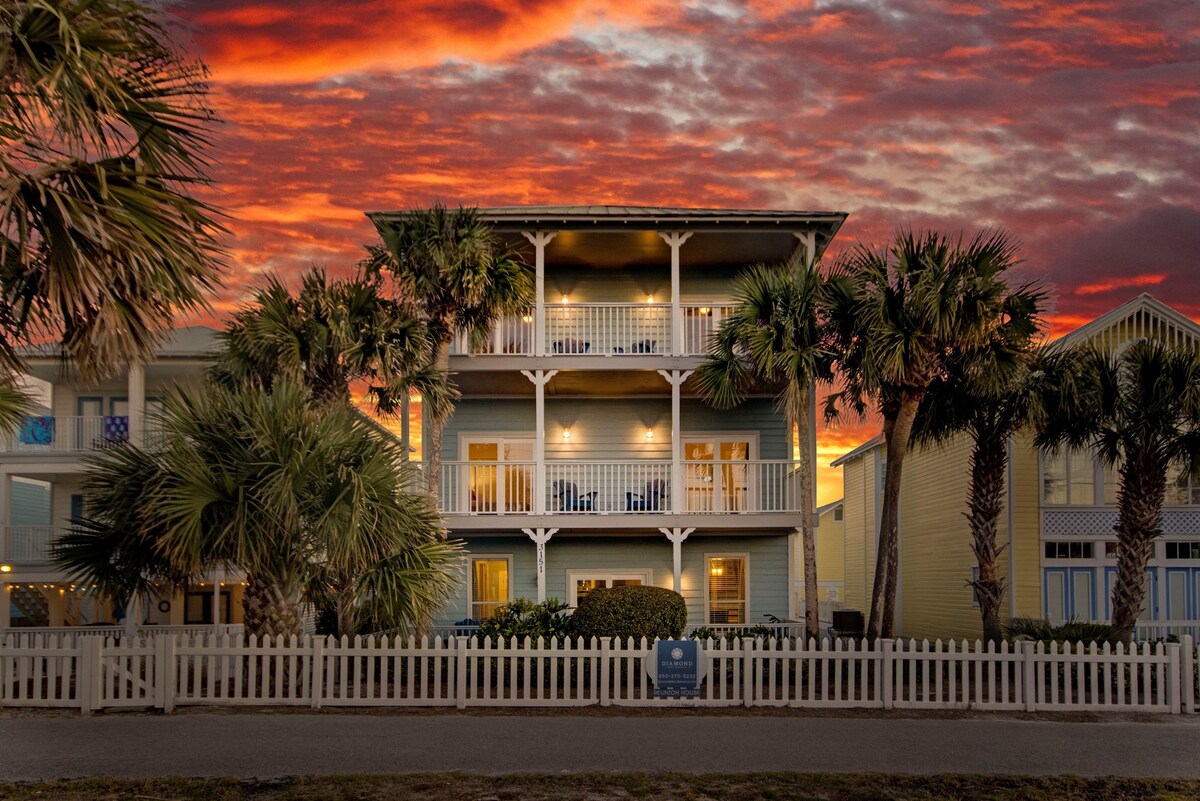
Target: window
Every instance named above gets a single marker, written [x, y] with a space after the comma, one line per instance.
[490, 586]
[1069, 477]
[718, 476]
[197, 607]
[580, 584]
[1112, 482]
[502, 479]
[1182, 488]
[1110, 550]
[727, 601]
[1070, 550]
[1183, 550]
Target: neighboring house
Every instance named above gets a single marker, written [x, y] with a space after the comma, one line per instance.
[580, 456]
[1057, 522]
[40, 469]
[831, 555]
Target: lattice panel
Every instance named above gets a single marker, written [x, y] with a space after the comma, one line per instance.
[1100, 522]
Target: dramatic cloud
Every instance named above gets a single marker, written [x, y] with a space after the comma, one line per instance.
[1072, 124]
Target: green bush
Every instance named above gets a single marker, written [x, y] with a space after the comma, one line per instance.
[1028, 628]
[759, 632]
[524, 619]
[631, 611]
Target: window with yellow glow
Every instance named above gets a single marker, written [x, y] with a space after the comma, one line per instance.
[489, 586]
[726, 590]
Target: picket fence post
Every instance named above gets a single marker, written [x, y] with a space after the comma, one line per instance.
[317, 685]
[89, 683]
[747, 671]
[460, 672]
[1174, 702]
[605, 671]
[1029, 673]
[1187, 667]
[164, 658]
[889, 671]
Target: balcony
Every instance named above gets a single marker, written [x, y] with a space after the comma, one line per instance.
[619, 488]
[603, 329]
[30, 543]
[48, 434]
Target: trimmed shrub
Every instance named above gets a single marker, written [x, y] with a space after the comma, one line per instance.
[524, 619]
[1028, 628]
[631, 611]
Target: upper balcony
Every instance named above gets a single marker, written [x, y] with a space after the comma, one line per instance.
[51, 435]
[604, 330]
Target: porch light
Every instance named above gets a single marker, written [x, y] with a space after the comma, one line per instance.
[705, 311]
[649, 298]
[566, 299]
[527, 318]
[5, 568]
[649, 433]
[566, 433]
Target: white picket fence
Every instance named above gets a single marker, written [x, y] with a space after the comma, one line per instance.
[94, 673]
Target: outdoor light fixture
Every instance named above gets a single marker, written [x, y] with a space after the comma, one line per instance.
[649, 433]
[705, 311]
[566, 433]
[649, 298]
[528, 318]
[5, 568]
[565, 299]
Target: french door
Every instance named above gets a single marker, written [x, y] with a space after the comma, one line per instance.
[717, 473]
[502, 479]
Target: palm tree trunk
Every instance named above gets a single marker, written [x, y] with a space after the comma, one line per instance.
[1139, 523]
[812, 624]
[437, 429]
[271, 608]
[880, 581]
[347, 613]
[890, 537]
[989, 461]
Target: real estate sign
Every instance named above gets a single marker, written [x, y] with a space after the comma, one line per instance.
[676, 667]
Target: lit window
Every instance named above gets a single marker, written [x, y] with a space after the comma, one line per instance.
[489, 586]
[582, 584]
[1069, 477]
[727, 590]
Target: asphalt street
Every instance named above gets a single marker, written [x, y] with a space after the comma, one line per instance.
[267, 745]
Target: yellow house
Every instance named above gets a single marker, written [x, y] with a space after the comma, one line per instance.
[831, 562]
[1057, 522]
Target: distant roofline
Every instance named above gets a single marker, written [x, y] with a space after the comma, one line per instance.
[1142, 301]
[831, 505]
[53, 350]
[873, 442]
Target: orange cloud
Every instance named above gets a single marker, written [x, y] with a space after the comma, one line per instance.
[1120, 283]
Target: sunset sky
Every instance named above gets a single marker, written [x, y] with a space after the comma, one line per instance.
[1075, 125]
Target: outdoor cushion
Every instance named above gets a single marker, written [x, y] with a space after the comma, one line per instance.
[37, 431]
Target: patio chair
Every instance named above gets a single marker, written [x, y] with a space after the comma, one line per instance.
[644, 346]
[569, 499]
[571, 346]
[651, 498]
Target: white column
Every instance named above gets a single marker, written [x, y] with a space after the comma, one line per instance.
[677, 536]
[539, 239]
[137, 402]
[5, 521]
[539, 378]
[808, 240]
[540, 537]
[218, 577]
[676, 378]
[793, 607]
[675, 240]
[133, 614]
[5, 600]
[405, 426]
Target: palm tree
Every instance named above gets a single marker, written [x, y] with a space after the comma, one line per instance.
[1138, 410]
[103, 139]
[899, 315]
[990, 394]
[307, 499]
[774, 337]
[332, 334]
[449, 267]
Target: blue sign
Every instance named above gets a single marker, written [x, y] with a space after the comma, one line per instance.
[677, 670]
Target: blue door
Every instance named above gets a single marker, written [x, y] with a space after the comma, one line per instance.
[1069, 593]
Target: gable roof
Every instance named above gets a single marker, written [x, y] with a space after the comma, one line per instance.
[1142, 317]
[874, 442]
[829, 506]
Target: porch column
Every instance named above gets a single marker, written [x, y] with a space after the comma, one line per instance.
[792, 573]
[539, 239]
[675, 240]
[808, 241]
[133, 614]
[677, 536]
[5, 522]
[5, 601]
[218, 577]
[539, 378]
[676, 378]
[405, 426]
[540, 537]
[137, 402]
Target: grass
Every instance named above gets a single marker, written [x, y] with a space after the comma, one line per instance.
[602, 787]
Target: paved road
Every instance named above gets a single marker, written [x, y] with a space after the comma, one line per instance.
[267, 745]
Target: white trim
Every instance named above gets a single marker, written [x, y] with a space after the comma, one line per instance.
[744, 555]
[492, 557]
[646, 576]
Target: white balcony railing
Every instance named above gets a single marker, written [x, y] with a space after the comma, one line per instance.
[512, 336]
[30, 543]
[608, 328]
[700, 321]
[67, 434]
[619, 487]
